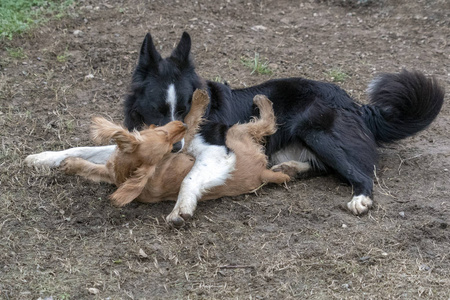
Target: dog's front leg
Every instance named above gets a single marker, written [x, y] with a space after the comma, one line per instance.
[53, 159]
[213, 166]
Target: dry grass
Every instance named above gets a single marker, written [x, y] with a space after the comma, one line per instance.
[60, 237]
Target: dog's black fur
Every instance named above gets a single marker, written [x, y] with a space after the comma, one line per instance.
[320, 117]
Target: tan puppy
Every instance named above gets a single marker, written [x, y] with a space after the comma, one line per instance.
[144, 168]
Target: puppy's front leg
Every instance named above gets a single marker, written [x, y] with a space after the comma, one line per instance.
[213, 166]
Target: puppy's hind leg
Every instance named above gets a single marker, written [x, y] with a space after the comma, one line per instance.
[292, 168]
[269, 176]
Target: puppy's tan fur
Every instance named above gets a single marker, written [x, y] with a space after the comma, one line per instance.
[144, 168]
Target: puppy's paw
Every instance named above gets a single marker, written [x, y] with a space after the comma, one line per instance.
[200, 98]
[292, 168]
[285, 169]
[360, 204]
[70, 165]
[261, 100]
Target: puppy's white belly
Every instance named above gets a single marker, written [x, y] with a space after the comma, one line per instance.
[52, 159]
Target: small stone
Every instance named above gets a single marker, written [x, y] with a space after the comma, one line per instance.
[364, 258]
[93, 291]
[424, 268]
[258, 28]
[77, 32]
[402, 214]
[273, 66]
[89, 76]
[142, 254]
[344, 226]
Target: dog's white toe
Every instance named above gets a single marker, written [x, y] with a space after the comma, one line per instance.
[359, 204]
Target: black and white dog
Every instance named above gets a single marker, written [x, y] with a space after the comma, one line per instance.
[321, 128]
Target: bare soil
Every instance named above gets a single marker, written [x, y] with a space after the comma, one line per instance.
[61, 238]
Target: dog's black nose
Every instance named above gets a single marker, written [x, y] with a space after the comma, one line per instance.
[177, 146]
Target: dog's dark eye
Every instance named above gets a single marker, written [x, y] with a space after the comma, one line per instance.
[164, 109]
[181, 109]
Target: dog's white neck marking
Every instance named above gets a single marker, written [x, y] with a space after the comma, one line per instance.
[171, 100]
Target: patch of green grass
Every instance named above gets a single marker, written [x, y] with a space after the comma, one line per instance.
[218, 78]
[16, 53]
[18, 16]
[257, 65]
[70, 125]
[62, 57]
[64, 296]
[337, 75]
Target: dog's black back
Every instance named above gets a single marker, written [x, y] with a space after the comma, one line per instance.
[332, 131]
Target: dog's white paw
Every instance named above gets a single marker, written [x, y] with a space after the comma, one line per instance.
[49, 159]
[359, 204]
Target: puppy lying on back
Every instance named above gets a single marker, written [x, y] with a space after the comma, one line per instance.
[145, 169]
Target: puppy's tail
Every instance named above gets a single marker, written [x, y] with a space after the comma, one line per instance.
[401, 105]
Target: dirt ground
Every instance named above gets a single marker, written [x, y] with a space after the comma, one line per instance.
[61, 238]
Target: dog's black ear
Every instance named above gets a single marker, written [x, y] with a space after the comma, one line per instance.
[149, 57]
[181, 52]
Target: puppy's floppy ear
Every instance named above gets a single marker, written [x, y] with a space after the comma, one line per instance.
[103, 130]
[183, 49]
[133, 186]
[149, 57]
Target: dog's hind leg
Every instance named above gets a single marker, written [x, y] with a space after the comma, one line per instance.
[339, 139]
[353, 163]
[53, 159]
[84, 168]
[352, 153]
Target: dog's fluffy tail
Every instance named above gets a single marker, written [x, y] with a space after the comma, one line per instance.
[401, 105]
